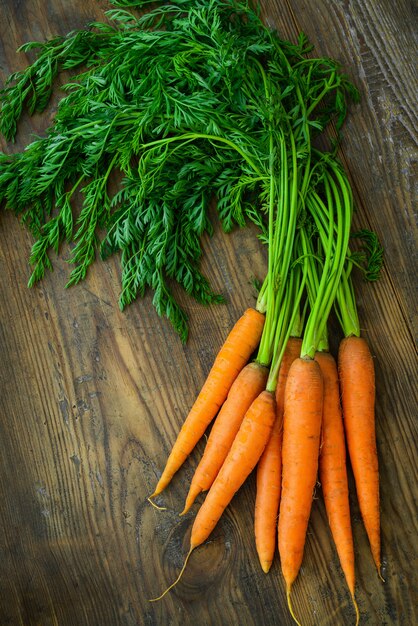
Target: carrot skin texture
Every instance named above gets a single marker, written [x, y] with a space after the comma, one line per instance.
[269, 469]
[357, 380]
[231, 358]
[300, 451]
[249, 383]
[291, 353]
[268, 497]
[333, 469]
[242, 457]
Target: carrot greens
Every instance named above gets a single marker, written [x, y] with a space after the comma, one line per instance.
[167, 110]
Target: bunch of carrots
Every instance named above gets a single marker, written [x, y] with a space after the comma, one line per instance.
[275, 389]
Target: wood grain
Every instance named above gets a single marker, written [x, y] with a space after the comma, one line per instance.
[91, 398]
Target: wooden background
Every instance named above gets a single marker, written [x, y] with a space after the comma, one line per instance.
[92, 398]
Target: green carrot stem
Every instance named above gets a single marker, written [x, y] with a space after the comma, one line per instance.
[297, 322]
[212, 138]
[346, 307]
[281, 243]
[338, 200]
[289, 322]
[312, 279]
[264, 352]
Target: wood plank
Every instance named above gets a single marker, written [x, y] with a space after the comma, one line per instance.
[91, 398]
[373, 43]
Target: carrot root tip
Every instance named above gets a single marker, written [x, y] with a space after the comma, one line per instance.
[356, 609]
[189, 502]
[265, 566]
[289, 604]
[177, 579]
[159, 508]
[379, 573]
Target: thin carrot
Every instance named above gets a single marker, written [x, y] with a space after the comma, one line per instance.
[249, 383]
[234, 354]
[268, 496]
[242, 457]
[269, 469]
[300, 450]
[333, 470]
[357, 380]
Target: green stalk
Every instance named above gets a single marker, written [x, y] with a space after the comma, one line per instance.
[289, 322]
[313, 280]
[338, 199]
[264, 351]
[281, 249]
[276, 242]
[213, 138]
[346, 307]
[264, 355]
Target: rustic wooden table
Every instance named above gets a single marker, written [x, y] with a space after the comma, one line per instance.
[91, 398]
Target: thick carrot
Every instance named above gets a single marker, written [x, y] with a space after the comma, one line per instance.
[249, 383]
[333, 470]
[357, 380]
[242, 457]
[300, 450]
[234, 354]
[269, 469]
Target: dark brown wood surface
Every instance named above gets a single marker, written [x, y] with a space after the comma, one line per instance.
[91, 399]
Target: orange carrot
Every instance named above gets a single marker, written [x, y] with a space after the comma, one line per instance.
[269, 469]
[356, 371]
[333, 470]
[234, 354]
[249, 383]
[242, 457]
[301, 434]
